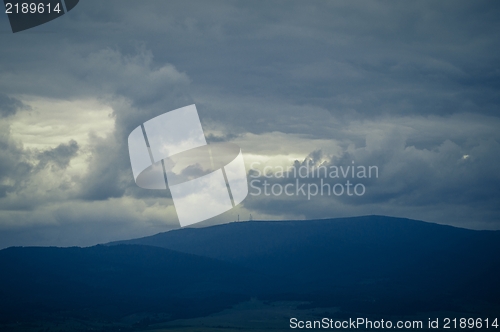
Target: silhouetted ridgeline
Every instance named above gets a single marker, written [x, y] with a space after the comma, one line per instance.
[367, 264]
[371, 265]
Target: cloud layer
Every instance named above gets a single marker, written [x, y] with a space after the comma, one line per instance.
[411, 88]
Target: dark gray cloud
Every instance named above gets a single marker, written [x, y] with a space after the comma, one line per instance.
[421, 58]
[14, 166]
[59, 156]
[138, 92]
[9, 105]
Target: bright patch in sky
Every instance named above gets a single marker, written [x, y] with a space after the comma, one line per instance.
[50, 122]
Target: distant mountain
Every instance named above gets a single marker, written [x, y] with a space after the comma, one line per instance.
[371, 263]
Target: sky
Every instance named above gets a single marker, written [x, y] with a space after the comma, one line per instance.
[411, 88]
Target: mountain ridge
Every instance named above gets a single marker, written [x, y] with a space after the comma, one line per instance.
[399, 255]
[369, 265]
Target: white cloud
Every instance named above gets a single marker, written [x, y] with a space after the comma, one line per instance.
[50, 122]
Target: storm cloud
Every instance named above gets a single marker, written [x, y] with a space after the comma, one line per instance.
[411, 88]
